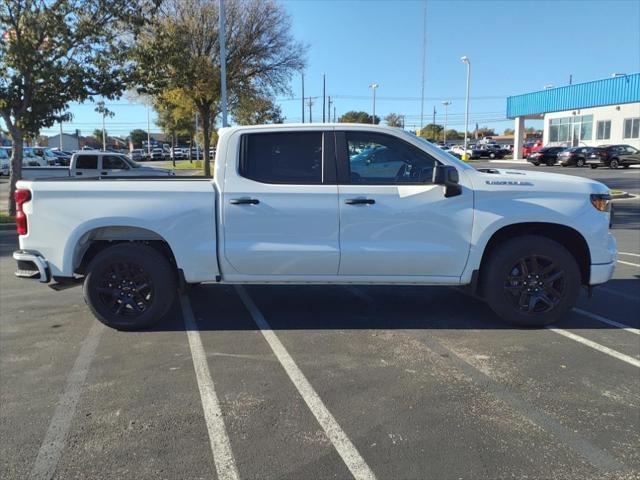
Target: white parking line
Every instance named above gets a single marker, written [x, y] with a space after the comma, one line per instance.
[629, 263]
[624, 327]
[596, 346]
[218, 438]
[345, 448]
[56, 436]
[627, 253]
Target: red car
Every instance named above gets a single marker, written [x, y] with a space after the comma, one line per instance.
[530, 147]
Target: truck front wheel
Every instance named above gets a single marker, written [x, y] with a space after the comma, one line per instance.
[129, 286]
[531, 281]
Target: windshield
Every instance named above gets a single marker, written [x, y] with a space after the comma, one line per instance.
[130, 162]
[437, 152]
[3, 153]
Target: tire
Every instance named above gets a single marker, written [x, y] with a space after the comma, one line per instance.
[505, 284]
[537, 164]
[593, 167]
[492, 155]
[615, 163]
[125, 270]
[550, 162]
[626, 165]
[580, 162]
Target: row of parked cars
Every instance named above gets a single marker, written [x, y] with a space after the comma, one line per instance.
[481, 150]
[612, 156]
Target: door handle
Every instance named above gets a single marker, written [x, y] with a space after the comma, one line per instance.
[359, 201]
[244, 201]
[104, 173]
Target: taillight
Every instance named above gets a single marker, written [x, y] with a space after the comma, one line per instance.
[21, 197]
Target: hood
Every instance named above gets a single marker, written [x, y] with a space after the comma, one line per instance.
[512, 179]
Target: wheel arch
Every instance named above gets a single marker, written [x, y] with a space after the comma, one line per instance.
[95, 240]
[566, 236]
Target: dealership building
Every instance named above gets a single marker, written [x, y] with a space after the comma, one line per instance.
[601, 112]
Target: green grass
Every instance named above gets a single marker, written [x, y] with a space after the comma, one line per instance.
[180, 165]
[5, 218]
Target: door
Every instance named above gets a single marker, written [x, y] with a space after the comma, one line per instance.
[113, 165]
[399, 224]
[86, 166]
[280, 210]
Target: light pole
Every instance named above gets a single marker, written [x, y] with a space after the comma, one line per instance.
[148, 135]
[446, 103]
[373, 87]
[466, 60]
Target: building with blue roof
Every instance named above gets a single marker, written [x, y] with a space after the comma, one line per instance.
[600, 112]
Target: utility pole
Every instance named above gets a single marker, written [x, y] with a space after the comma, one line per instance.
[434, 117]
[223, 64]
[302, 97]
[570, 79]
[424, 61]
[310, 104]
[324, 99]
[60, 135]
[329, 102]
[104, 135]
[148, 135]
[373, 87]
[446, 104]
[334, 114]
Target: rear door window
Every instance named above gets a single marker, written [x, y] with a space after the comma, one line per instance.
[282, 157]
[87, 162]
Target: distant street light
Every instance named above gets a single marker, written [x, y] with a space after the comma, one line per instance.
[446, 103]
[373, 86]
[466, 60]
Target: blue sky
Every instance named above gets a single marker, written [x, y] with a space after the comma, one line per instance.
[514, 47]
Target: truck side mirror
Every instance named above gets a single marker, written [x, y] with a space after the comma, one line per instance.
[448, 176]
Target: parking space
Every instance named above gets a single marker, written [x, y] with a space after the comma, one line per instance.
[325, 382]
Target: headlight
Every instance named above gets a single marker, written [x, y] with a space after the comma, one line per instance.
[601, 201]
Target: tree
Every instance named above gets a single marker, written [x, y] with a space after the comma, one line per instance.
[181, 51]
[137, 136]
[453, 134]
[432, 132]
[394, 120]
[176, 113]
[54, 53]
[509, 131]
[486, 132]
[257, 110]
[358, 117]
[97, 136]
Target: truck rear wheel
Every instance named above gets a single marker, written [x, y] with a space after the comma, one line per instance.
[531, 281]
[129, 286]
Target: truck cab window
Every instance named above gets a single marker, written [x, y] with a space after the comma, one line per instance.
[112, 162]
[87, 162]
[384, 160]
[287, 157]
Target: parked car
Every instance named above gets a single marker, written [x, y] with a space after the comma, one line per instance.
[489, 150]
[614, 156]
[531, 146]
[4, 162]
[157, 154]
[575, 156]
[137, 155]
[177, 153]
[272, 213]
[546, 155]
[94, 163]
[458, 151]
[30, 159]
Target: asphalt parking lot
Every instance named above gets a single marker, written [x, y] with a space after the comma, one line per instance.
[311, 382]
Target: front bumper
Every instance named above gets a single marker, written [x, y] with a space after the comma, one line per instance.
[601, 273]
[32, 265]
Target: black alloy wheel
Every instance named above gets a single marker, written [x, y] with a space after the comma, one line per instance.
[535, 284]
[126, 289]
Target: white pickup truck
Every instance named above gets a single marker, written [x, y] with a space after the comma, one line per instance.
[321, 204]
[95, 163]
